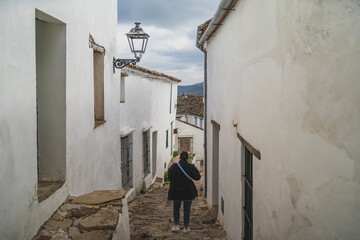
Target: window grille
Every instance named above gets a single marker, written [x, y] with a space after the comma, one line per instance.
[167, 138]
[248, 203]
[126, 161]
[146, 149]
[171, 137]
[186, 144]
[222, 205]
[171, 86]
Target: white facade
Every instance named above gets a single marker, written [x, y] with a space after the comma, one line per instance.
[147, 108]
[192, 119]
[90, 157]
[189, 131]
[287, 73]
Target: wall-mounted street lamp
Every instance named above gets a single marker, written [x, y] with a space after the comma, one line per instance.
[138, 41]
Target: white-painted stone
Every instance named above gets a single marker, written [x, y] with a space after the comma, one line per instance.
[122, 231]
[192, 119]
[288, 72]
[146, 107]
[92, 156]
[187, 130]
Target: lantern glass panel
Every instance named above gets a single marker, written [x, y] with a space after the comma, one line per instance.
[138, 44]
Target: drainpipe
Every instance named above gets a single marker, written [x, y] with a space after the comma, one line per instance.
[201, 42]
[205, 120]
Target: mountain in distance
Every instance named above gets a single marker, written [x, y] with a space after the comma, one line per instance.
[196, 89]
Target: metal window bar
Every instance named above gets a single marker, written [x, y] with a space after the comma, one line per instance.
[146, 155]
[167, 138]
[186, 144]
[126, 162]
[248, 208]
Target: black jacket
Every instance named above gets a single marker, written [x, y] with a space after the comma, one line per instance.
[181, 187]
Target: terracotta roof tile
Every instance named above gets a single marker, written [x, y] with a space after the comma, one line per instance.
[190, 104]
[204, 25]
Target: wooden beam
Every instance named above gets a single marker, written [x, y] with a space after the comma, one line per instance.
[216, 124]
[253, 150]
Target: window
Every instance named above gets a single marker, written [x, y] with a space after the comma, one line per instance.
[167, 138]
[186, 144]
[146, 151]
[122, 87]
[170, 96]
[248, 186]
[127, 162]
[172, 136]
[196, 121]
[50, 50]
[98, 58]
[201, 123]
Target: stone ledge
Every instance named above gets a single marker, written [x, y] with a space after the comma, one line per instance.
[95, 215]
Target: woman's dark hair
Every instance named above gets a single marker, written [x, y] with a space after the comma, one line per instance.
[184, 155]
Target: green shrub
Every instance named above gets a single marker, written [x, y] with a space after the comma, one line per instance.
[175, 153]
[166, 177]
[191, 156]
[142, 190]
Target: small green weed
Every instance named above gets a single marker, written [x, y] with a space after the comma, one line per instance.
[166, 177]
[175, 153]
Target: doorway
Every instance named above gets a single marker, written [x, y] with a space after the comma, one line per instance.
[50, 103]
[215, 166]
[127, 161]
[154, 153]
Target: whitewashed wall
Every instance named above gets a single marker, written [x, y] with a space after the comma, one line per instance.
[288, 72]
[92, 155]
[197, 135]
[192, 119]
[147, 103]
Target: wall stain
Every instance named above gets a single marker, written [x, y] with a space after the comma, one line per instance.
[294, 191]
[332, 91]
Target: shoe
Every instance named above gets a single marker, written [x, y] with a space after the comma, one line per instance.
[186, 230]
[175, 229]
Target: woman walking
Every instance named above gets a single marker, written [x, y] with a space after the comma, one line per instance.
[182, 189]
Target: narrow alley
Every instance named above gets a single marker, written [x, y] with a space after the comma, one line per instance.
[151, 217]
[99, 99]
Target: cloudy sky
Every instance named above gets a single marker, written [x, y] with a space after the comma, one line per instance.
[172, 27]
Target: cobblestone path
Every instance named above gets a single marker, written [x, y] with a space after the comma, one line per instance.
[151, 218]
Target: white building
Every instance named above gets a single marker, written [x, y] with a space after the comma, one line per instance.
[60, 108]
[190, 109]
[147, 121]
[189, 138]
[189, 123]
[283, 116]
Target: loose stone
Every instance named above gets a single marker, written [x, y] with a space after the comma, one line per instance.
[74, 232]
[105, 219]
[95, 235]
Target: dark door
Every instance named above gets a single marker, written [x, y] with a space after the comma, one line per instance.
[248, 203]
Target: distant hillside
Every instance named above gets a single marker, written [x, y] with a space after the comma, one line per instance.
[196, 89]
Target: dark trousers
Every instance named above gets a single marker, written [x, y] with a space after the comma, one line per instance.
[176, 208]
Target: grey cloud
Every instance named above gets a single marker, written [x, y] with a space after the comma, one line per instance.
[181, 17]
[166, 13]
